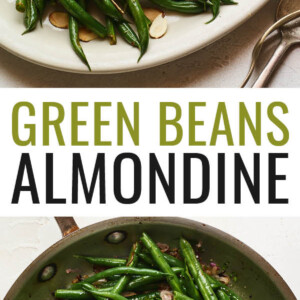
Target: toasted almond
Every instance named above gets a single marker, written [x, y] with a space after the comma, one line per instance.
[158, 27]
[152, 13]
[86, 35]
[59, 19]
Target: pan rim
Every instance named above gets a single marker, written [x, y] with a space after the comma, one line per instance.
[250, 253]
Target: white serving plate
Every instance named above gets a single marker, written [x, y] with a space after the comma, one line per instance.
[50, 47]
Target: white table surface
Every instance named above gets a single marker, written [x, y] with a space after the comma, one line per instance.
[277, 240]
[223, 64]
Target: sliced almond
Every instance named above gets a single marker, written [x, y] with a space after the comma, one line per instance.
[158, 27]
[152, 13]
[86, 35]
[59, 19]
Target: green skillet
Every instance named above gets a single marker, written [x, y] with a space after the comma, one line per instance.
[257, 280]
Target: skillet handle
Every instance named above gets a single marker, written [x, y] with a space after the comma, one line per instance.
[67, 225]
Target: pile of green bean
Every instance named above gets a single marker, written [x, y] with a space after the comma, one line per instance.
[116, 18]
[143, 273]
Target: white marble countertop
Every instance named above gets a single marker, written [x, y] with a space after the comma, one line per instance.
[223, 64]
[278, 242]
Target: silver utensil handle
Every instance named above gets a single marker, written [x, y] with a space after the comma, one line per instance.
[271, 65]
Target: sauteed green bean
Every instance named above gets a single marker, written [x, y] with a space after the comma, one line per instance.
[188, 279]
[161, 262]
[196, 270]
[131, 262]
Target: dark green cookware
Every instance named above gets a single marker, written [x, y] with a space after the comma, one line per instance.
[257, 280]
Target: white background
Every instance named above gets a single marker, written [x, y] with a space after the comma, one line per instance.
[149, 142]
[278, 241]
[278, 238]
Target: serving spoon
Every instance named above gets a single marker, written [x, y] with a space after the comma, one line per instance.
[290, 35]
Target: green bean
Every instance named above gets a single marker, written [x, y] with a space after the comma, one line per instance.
[229, 2]
[152, 287]
[83, 17]
[180, 296]
[147, 296]
[188, 7]
[171, 260]
[196, 270]
[144, 280]
[192, 282]
[182, 285]
[108, 262]
[113, 277]
[31, 16]
[213, 281]
[161, 262]
[142, 265]
[130, 14]
[98, 293]
[122, 271]
[222, 295]
[108, 284]
[111, 31]
[101, 261]
[117, 277]
[141, 25]
[220, 286]
[215, 8]
[72, 294]
[132, 262]
[128, 34]
[204, 3]
[148, 21]
[123, 27]
[147, 259]
[40, 5]
[214, 286]
[191, 289]
[74, 37]
[21, 6]
[108, 8]
[77, 294]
